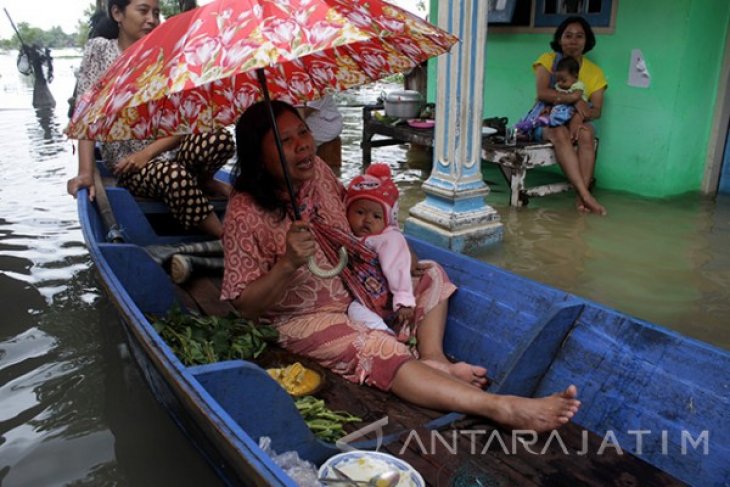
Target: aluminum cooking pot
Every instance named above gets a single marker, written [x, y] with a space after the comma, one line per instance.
[403, 103]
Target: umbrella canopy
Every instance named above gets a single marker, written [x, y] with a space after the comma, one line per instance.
[198, 71]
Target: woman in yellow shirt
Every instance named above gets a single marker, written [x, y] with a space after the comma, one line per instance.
[574, 37]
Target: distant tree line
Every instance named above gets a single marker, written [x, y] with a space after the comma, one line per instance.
[57, 38]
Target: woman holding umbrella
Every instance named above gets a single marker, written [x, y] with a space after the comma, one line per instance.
[151, 169]
[265, 278]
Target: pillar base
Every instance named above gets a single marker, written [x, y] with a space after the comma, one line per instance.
[461, 232]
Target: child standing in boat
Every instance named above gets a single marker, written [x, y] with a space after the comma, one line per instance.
[372, 211]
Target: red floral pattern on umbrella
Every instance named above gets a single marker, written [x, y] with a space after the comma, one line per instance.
[197, 71]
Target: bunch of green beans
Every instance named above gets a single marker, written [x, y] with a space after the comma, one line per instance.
[324, 423]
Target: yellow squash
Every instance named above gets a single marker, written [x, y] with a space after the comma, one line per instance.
[296, 379]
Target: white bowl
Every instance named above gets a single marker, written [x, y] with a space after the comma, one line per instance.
[364, 465]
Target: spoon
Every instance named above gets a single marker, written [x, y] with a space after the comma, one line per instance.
[389, 478]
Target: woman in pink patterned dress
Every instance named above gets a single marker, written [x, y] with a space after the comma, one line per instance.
[265, 278]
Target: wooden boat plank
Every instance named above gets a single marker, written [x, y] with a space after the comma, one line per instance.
[460, 461]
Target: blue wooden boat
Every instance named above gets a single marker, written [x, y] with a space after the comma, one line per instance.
[655, 403]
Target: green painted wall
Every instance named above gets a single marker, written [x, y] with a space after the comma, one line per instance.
[653, 140]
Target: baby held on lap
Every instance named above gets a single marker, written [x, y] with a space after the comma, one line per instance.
[372, 211]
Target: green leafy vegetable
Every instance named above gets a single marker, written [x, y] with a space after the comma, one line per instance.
[197, 339]
[324, 423]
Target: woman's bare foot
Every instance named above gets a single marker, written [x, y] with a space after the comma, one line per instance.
[590, 204]
[471, 374]
[541, 414]
[580, 206]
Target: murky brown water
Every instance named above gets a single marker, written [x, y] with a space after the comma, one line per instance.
[73, 408]
[662, 260]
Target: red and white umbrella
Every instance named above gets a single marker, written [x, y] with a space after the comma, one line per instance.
[198, 70]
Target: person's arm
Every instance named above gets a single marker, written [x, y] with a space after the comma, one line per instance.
[135, 162]
[587, 111]
[91, 67]
[547, 93]
[263, 293]
[85, 176]
[395, 260]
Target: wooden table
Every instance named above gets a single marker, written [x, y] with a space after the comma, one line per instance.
[397, 134]
[513, 161]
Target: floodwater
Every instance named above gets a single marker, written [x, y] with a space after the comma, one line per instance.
[73, 407]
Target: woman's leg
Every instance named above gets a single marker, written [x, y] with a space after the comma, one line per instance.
[425, 386]
[587, 153]
[378, 359]
[211, 225]
[570, 164]
[204, 154]
[432, 291]
[430, 339]
[172, 183]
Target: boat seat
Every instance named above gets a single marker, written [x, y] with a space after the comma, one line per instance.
[261, 407]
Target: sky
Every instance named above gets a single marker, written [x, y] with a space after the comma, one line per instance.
[66, 13]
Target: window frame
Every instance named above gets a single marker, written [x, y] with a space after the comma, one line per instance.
[532, 29]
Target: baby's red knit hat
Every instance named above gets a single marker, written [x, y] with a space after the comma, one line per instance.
[376, 185]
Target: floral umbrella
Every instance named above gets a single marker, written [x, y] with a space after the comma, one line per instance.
[198, 70]
[201, 69]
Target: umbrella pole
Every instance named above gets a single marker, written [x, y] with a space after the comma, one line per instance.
[313, 267]
[264, 87]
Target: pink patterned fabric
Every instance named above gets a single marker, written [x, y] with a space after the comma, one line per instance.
[311, 316]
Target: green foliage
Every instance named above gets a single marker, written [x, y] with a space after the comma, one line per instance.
[168, 8]
[324, 423]
[197, 339]
[394, 78]
[83, 25]
[55, 37]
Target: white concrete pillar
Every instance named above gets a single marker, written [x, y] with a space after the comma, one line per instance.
[454, 214]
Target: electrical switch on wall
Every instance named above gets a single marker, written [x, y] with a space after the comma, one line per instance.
[638, 72]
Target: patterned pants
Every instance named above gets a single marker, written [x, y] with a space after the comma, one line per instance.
[177, 182]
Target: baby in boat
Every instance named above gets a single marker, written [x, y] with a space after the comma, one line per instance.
[372, 211]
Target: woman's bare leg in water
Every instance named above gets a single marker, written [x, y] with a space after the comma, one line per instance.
[571, 166]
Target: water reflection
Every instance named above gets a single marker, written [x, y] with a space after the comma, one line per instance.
[72, 410]
[46, 132]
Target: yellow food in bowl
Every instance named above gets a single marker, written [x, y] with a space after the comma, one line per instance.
[296, 379]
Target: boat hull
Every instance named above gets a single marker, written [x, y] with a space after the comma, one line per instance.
[646, 390]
